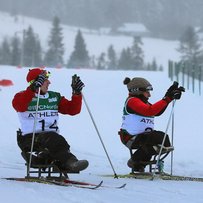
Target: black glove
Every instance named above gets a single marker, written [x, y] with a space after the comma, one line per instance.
[172, 88]
[169, 93]
[178, 92]
[38, 81]
[77, 84]
[174, 92]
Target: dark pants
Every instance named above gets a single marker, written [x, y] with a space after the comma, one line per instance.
[55, 144]
[144, 143]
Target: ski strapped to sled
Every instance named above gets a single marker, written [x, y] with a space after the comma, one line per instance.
[161, 176]
[65, 182]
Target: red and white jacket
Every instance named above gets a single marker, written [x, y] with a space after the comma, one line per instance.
[138, 114]
[50, 105]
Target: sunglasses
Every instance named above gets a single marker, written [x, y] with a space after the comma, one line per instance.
[147, 89]
[47, 74]
[142, 89]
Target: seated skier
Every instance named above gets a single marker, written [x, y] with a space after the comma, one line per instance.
[48, 143]
[137, 130]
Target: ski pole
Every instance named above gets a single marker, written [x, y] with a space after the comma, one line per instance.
[159, 155]
[172, 138]
[34, 130]
[88, 109]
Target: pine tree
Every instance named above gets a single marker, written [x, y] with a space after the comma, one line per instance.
[79, 57]
[54, 55]
[1, 55]
[154, 66]
[28, 44]
[32, 53]
[137, 53]
[148, 66]
[93, 62]
[38, 53]
[101, 64]
[125, 60]
[15, 51]
[5, 52]
[112, 62]
[189, 46]
[161, 68]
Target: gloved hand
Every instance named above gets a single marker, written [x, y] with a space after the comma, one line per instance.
[169, 94]
[172, 88]
[77, 84]
[174, 92]
[178, 92]
[38, 81]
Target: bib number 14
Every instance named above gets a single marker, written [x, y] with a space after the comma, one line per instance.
[52, 126]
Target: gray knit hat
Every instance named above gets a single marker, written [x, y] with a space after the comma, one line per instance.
[137, 86]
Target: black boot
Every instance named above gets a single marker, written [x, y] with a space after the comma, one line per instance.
[135, 165]
[75, 165]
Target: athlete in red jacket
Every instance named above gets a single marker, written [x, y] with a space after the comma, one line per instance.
[137, 129]
[48, 142]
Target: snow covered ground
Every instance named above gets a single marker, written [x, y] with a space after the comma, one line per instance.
[105, 95]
